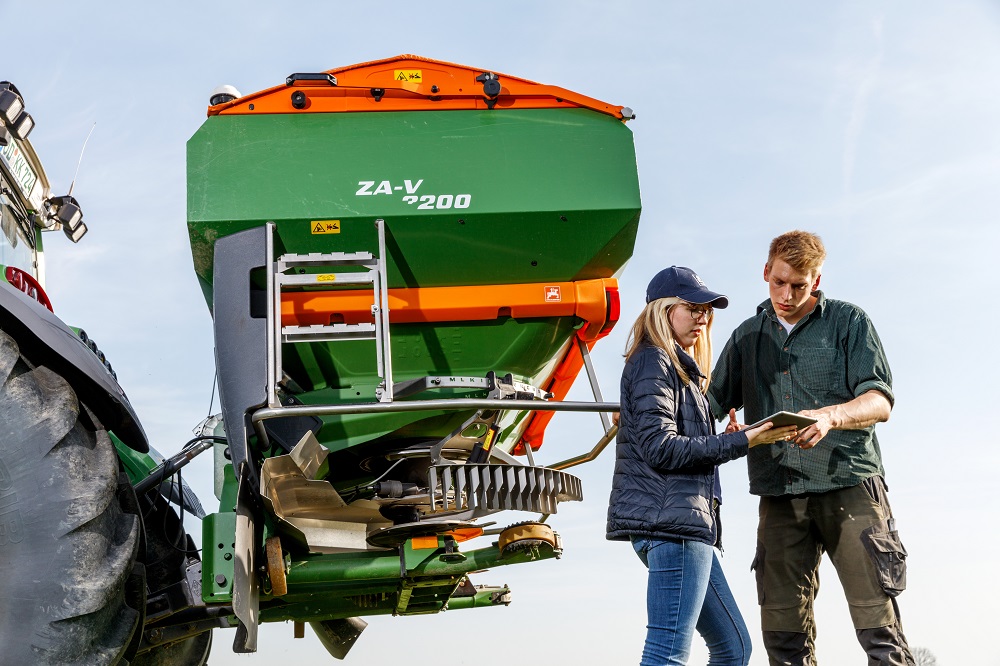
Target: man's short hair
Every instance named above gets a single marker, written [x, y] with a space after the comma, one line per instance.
[801, 250]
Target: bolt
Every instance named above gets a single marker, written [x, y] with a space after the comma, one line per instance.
[155, 635]
[220, 580]
[227, 556]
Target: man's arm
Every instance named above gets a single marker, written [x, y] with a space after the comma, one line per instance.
[867, 409]
[725, 392]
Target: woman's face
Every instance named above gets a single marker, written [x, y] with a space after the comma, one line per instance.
[688, 322]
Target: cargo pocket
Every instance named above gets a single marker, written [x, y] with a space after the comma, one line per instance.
[889, 557]
[757, 567]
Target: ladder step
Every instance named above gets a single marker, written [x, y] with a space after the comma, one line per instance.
[328, 333]
[324, 279]
[287, 261]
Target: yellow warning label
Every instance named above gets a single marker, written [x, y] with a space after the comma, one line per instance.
[325, 226]
[488, 440]
[408, 75]
[326, 277]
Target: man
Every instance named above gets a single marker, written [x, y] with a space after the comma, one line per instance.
[823, 491]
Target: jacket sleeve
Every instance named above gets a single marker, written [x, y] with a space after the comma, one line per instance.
[654, 394]
[726, 390]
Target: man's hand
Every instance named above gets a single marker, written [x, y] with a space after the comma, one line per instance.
[812, 434]
[865, 410]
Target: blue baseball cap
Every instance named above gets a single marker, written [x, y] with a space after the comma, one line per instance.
[685, 284]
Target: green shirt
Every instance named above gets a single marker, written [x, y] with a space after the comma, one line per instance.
[831, 356]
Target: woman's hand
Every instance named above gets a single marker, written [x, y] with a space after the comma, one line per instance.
[733, 425]
[768, 434]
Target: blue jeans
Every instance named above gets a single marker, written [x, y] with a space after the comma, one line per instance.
[686, 591]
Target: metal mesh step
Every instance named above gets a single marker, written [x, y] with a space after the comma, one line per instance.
[486, 488]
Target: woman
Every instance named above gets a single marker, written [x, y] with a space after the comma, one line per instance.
[665, 495]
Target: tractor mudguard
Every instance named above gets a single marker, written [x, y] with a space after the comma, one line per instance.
[45, 340]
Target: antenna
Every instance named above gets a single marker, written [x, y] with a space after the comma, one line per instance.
[70, 193]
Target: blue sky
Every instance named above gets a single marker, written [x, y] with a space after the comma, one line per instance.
[872, 123]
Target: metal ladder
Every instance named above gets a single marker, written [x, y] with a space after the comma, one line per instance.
[278, 280]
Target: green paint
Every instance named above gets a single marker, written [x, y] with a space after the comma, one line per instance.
[137, 465]
[522, 170]
[218, 557]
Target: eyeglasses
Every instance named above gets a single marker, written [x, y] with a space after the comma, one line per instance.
[698, 313]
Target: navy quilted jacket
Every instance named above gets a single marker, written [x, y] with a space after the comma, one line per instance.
[667, 453]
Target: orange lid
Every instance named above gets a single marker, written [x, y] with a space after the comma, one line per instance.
[409, 83]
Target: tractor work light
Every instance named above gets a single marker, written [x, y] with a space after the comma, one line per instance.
[23, 125]
[65, 210]
[76, 234]
[69, 215]
[11, 104]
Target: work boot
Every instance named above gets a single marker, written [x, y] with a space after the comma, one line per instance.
[789, 648]
[886, 645]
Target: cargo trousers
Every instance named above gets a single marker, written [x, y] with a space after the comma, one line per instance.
[855, 527]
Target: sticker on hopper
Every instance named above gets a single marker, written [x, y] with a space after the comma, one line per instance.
[408, 75]
[325, 226]
[553, 294]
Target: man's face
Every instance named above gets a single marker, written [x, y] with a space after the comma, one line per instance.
[791, 290]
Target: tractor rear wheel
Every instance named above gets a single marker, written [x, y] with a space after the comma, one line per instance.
[67, 594]
[188, 652]
[169, 551]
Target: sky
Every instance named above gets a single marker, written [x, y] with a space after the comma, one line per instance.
[873, 123]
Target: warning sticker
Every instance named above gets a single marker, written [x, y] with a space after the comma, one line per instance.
[326, 277]
[325, 226]
[553, 294]
[408, 75]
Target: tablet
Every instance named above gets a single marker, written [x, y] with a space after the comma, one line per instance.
[780, 419]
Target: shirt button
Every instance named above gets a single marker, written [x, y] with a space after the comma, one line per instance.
[787, 396]
[786, 348]
[785, 372]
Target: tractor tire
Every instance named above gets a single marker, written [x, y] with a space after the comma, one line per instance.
[188, 652]
[168, 548]
[68, 589]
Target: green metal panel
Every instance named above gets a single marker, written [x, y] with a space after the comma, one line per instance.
[370, 583]
[469, 198]
[137, 465]
[218, 557]
[557, 187]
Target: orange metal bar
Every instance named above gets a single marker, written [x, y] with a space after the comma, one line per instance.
[410, 83]
[585, 299]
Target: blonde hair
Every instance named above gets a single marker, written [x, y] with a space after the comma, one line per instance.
[652, 327]
[801, 250]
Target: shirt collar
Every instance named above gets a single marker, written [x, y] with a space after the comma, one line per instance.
[820, 306]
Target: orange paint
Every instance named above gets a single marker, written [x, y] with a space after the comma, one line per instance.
[584, 299]
[440, 86]
[424, 542]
